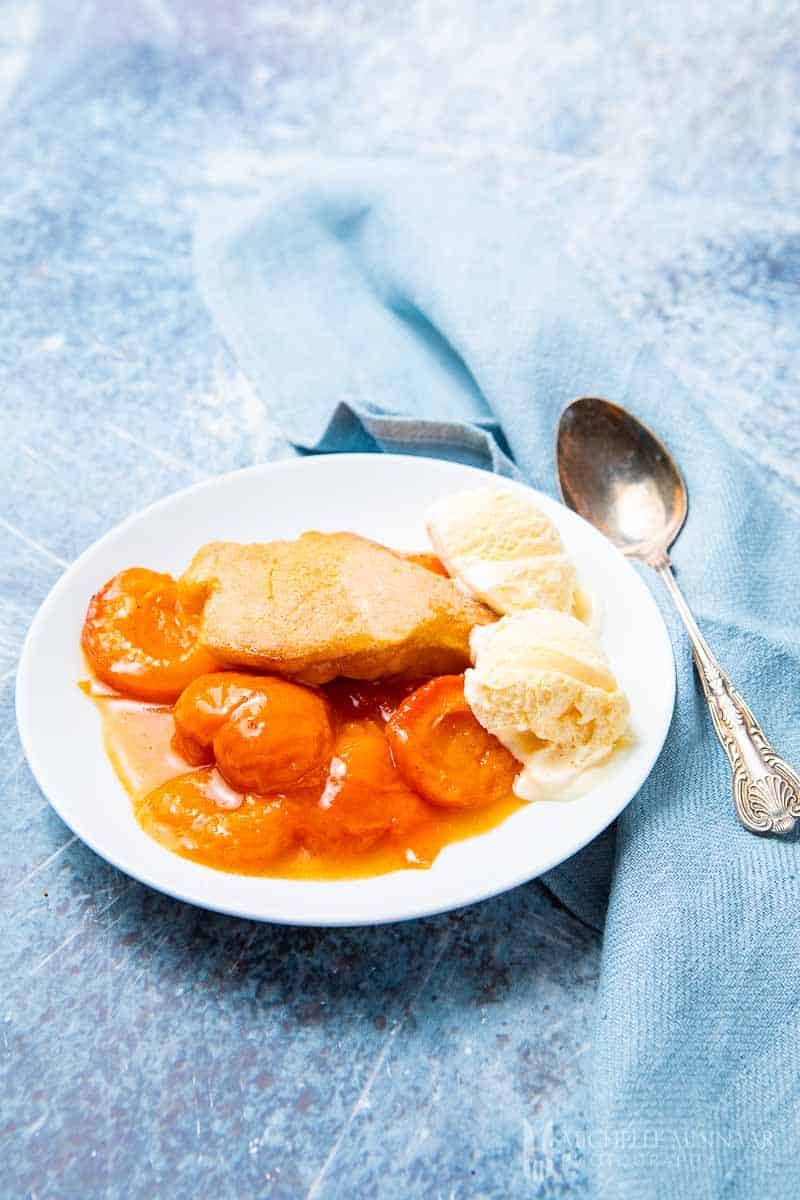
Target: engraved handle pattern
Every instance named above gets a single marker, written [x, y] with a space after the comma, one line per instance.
[766, 791]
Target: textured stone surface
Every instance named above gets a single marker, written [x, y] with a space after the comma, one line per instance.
[153, 1049]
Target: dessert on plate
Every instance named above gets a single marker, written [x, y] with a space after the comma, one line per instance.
[327, 707]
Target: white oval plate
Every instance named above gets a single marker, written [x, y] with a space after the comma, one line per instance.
[384, 497]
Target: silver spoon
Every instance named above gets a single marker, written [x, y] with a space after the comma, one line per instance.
[620, 477]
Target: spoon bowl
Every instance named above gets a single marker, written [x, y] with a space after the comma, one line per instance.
[620, 477]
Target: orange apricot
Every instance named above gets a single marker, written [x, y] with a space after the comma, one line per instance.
[185, 816]
[141, 639]
[264, 733]
[204, 707]
[444, 753]
[364, 797]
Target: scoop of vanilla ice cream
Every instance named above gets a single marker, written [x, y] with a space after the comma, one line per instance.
[505, 551]
[542, 685]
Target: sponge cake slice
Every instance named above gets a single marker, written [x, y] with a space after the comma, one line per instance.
[330, 604]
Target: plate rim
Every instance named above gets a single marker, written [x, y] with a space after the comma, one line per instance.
[184, 895]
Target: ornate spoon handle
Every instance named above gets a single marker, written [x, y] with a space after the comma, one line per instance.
[766, 790]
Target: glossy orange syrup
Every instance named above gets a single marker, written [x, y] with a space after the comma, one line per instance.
[354, 816]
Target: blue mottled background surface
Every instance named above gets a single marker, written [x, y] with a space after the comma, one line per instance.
[151, 1049]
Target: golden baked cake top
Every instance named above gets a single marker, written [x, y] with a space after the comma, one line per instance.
[329, 604]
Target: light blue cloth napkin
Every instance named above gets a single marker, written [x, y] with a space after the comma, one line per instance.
[381, 308]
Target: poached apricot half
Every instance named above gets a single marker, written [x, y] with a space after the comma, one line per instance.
[444, 753]
[364, 797]
[183, 815]
[265, 734]
[140, 636]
